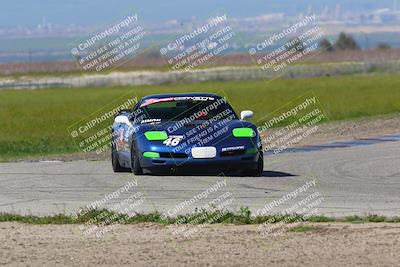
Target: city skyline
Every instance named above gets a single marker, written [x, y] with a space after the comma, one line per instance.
[329, 16]
[22, 13]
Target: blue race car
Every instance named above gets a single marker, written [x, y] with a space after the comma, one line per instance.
[191, 132]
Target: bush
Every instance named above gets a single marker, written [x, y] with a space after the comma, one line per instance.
[346, 42]
[383, 46]
[325, 45]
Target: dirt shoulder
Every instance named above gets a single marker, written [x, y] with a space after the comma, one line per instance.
[353, 129]
[149, 244]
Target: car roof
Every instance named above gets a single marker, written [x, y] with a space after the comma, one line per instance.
[180, 95]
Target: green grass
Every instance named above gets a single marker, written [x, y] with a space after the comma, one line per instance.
[242, 217]
[35, 122]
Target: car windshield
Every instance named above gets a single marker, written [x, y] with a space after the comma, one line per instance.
[185, 108]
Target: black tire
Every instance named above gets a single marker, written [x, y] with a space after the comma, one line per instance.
[115, 162]
[260, 167]
[135, 163]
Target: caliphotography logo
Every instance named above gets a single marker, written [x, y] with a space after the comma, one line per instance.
[201, 46]
[290, 126]
[279, 53]
[111, 46]
[94, 133]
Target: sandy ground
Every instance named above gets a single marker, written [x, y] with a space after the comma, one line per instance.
[214, 245]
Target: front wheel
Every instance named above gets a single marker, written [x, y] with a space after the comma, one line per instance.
[260, 167]
[135, 163]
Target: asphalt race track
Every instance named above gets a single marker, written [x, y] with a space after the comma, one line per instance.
[352, 180]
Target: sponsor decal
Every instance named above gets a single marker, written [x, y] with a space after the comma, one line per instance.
[232, 148]
[149, 121]
[181, 98]
[120, 143]
[156, 100]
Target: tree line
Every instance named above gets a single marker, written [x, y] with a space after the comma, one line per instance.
[344, 42]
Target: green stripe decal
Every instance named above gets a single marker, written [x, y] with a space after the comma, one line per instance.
[243, 132]
[156, 135]
[151, 155]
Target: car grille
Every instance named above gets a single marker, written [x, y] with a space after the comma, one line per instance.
[173, 155]
[232, 153]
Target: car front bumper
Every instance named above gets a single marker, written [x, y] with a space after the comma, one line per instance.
[217, 164]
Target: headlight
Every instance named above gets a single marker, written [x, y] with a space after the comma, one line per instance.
[243, 132]
[156, 135]
[151, 154]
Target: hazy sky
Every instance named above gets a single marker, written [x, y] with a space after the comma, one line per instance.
[91, 12]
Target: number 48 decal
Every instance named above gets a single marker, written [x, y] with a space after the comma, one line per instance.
[173, 140]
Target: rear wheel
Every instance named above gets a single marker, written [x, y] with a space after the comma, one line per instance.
[135, 163]
[115, 162]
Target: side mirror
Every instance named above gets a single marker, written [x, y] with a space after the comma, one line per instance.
[122, 119]
[246, 114]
